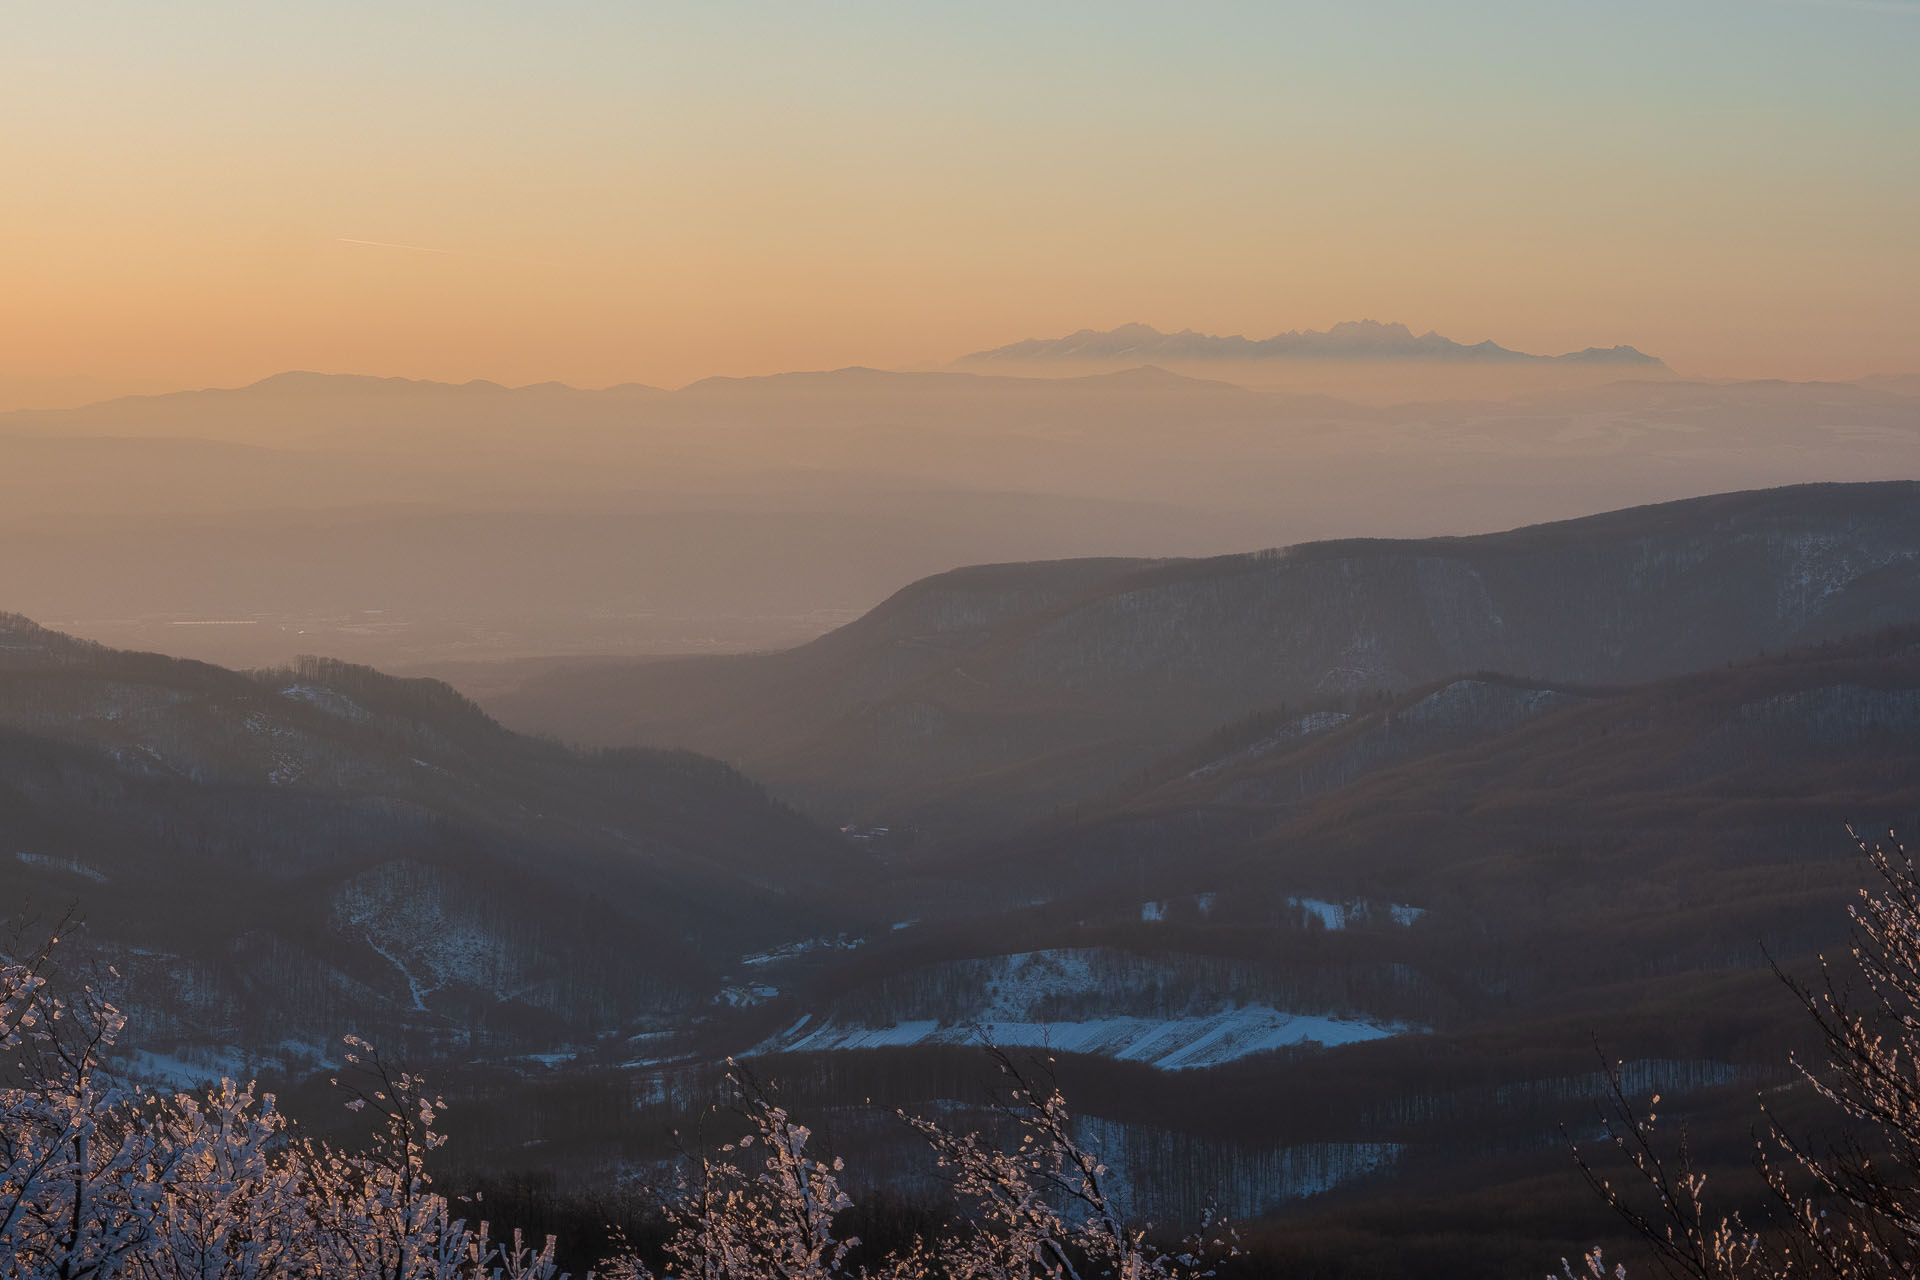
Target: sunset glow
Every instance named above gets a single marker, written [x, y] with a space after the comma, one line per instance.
[596, 193]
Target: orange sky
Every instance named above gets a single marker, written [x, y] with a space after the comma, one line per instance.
[600, 193]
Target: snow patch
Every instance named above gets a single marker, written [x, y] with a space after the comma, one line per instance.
[1338, 915]
[549, 1060]
[806, 946]
[1821, 565]
[1313, 722]
[70, 865]
[1170, 1044]
[1483, 703]
[185, 1069]
[402, 913]
[328, 700]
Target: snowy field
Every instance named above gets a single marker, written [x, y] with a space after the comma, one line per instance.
[1171, 1044]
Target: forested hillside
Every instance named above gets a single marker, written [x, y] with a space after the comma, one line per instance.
[270, 859]
[967, 702]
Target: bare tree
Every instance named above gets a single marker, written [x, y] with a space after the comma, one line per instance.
[1848, 1209]
[1046, 1208]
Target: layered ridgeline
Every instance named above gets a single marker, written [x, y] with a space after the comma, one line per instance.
[1361, 360]
[407, 524]
[990, 695]
[268, 860]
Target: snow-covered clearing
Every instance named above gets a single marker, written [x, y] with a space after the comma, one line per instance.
[328, 700]
[1171, 1044]
[806, 947]
[71, 865]
[1338, 915]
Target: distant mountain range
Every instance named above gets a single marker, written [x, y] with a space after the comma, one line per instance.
[1352, 340]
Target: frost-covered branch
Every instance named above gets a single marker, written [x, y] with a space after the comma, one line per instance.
[1850, 1209]
[101, 1180]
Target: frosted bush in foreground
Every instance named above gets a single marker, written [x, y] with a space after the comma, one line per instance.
[99, 1179]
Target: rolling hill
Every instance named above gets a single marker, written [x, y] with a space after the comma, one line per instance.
[1007, 690]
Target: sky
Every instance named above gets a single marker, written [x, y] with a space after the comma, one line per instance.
[205, 194]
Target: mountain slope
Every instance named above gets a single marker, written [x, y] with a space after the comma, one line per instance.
[278, 857]
[1054, 697]
[1585, 800]
[1663, 827]
[1398, 928]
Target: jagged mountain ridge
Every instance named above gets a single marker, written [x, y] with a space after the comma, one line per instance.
[1359, 340]
[897, 718]
[380, 855]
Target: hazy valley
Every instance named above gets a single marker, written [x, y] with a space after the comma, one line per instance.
[412, 525]
[1388, 830]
